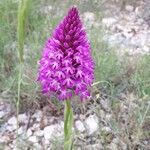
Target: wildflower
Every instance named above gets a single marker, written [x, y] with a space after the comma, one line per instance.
[66, 67]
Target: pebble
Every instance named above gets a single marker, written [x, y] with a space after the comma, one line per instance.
[89, 16]
[109, 21]
[12, 121]
[104, 104]
[22, 118]
[20, 130]
[39, 133]
[10, 128]
[38, 146]
[89, 19]
[37, 114]
[108, 117]
[2, 114]
[146, 49]
[129, 8]
[113, 146]
[29, 132]
[92, 124]
[79, 125]
[33, 139]
[53, 131]
[94, 147]
[106, 129]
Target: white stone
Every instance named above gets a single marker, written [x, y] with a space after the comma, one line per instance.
[2, 114]
[89, 16]
[139, 40]
[108, 116]
[146, 49]
[46, 9]
[39, 133]
[129, 8]
[20, 130]
[29, 132]
[104, 104]
[106, 129]
[46, 141]
[53, 131]
[94, 147]
[92, 124]
[12, 121]
[36, 126]
[109, 21]
[113, 146]
[89, 19]
[33, 139]
[4, 139]
[79, 125]
[37, 146]
[48, 131]
[10, 128]
[37, 114]
[22, 118]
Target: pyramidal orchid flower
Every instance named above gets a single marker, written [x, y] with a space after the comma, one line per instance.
[66, 67]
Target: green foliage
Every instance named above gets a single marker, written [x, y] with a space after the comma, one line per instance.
[141, 78]
[8, 12]
[22, 14]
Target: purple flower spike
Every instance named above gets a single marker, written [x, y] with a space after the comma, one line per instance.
[66, 67]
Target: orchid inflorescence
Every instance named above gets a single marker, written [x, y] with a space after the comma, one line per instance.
[66, 67]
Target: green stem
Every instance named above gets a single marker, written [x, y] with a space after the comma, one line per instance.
[18, 97]
[68, 124]
[22, 12]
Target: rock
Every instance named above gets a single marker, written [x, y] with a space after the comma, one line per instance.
[102, 113]
[29, 132]
[2, 114]
[22, 118]
[12, 121]
[39, 133]
[139, 40]
[109, 21]
[106, 129]
[113, 146]
[46, 9]
[104, 104]
[33, 139]
[116, 141]
[10, 128]
[37, 146]
[20, 130]
[36, 126]
[129, 8]
[92, 124]
[146, 49]
[53, 131]
[4, 139]
[94, 147]
[12, 124]
[48, 131]
[108, 117]
[46, 141]
[89, 18]
[79, 125]
[37, 115]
